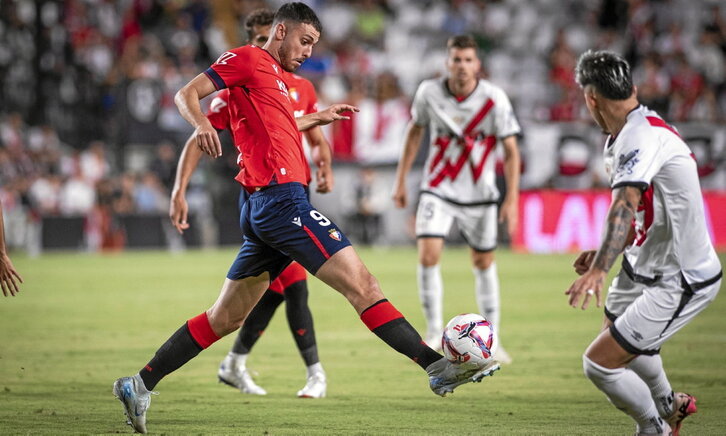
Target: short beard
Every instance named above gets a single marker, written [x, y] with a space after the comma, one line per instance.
[283, 55]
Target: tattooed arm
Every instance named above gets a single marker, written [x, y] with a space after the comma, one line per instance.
[618, 231]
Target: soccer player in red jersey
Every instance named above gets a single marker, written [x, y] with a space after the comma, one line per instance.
[278, 221]
[291, 285]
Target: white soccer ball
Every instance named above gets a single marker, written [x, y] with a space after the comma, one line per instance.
[469, 340]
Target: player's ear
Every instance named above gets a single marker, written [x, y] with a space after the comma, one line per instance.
[280, 31]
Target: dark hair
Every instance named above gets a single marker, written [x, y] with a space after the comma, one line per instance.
[300, 13]
[462, 41]
[607, 72]
[258, 17]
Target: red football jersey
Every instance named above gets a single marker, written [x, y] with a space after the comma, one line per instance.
[260, 117]
[302, 96]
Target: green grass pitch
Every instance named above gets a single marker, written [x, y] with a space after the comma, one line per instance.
[83, 320]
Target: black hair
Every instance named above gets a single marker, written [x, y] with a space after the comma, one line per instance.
[607, 72]
[300, 13]
[258, 17]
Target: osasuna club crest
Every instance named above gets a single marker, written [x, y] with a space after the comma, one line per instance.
[335, 234]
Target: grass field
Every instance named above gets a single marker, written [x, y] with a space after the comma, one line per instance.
[83, 320]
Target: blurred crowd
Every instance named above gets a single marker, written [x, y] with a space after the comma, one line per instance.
[88, 125]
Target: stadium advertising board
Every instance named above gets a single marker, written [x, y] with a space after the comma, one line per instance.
[566, 221]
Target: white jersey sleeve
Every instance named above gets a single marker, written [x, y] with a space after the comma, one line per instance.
[419, 108]
[506, 122]
[637, 160]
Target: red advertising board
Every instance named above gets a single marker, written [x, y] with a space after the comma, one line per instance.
[566, 221]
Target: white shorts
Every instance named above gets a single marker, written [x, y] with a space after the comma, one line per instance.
[645, 315]
[477, 224]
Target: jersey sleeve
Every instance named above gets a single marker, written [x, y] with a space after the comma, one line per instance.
[504, 119]
[218, 113]
[234, 67]
[419, 109]
[636, 161]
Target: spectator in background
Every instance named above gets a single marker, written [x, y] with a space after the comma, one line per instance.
[77, 196]
[149, 195]
[93, 163]
[370, 199]
[164, 164]
[381, 123]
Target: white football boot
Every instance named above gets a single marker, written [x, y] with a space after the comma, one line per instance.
[136, 400]
[233, 374]
[445, 376]
[315, 387]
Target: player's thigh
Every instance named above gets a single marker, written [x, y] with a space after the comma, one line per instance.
[662, 310]
[346, 273]
[478, 226]
[433, 217]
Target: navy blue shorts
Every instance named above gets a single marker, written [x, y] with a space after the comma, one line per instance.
[280, 225]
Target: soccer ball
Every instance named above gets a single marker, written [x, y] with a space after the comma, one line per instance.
[469, 340]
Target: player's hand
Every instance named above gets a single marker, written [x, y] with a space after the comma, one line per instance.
[509, 213]
[588, 285]
[178, 211]
[8, 276]
[399, 195]
[334, 113]
[583, 261]
[323, 178]
[207, 140]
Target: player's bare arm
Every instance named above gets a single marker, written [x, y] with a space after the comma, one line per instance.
[178, 208]
[584, 260]
[323, 159]
[8, 276]
[618, 228]
[333, 113]
[187, 101]
[414, 134]
[509, 211]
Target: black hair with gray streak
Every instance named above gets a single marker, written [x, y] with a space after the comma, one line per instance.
[607, 72]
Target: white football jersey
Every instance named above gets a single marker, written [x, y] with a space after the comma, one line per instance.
[670, 225]
[464, 134]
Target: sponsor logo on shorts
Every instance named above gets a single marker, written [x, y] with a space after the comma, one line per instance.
[637, 336]
[296, 221]
[333, 233]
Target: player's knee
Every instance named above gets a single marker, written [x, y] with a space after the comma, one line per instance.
[597, 373]
[483, 260]
[428, 259]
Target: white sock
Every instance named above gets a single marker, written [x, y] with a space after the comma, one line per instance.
[239, 359]
[486, 286]
[431, 293]
[650, 369]
[315, 368]
[627, 392]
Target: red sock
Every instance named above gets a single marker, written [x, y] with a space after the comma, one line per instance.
[201, 330]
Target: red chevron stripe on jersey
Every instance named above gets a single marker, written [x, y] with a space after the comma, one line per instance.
[468, 142]
[657, 122]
